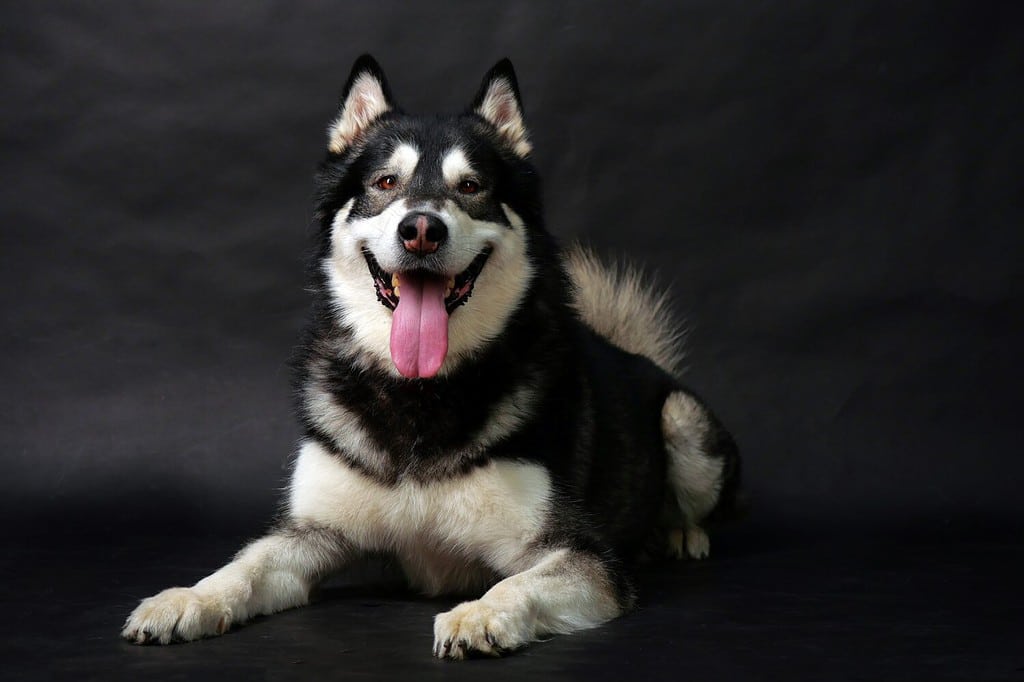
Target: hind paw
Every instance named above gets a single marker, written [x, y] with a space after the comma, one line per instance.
[698, 545]
[692, 542]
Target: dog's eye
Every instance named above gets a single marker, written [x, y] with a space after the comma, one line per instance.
[469, 187]
[387, 182]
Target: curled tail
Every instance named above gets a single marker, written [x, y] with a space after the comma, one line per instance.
[624, 306]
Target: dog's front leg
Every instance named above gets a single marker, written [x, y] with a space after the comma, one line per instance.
[271, 574]
[566, 590]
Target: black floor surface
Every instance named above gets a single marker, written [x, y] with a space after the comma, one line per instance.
[816, 606]
[830, 193]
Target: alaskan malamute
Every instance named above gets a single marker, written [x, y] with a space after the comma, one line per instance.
[501, 416]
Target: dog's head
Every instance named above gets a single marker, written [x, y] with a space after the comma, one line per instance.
[426, 222]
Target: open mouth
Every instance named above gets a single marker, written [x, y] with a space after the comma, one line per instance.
[457, 289]
[421, 302]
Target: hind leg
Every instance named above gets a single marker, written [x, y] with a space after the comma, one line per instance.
[701, 458]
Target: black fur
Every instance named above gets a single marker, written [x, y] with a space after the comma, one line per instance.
[547, 389]
[596, 423]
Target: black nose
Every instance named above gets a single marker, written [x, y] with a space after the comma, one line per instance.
[422, 233]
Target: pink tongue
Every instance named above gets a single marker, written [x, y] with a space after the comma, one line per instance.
[419, 326]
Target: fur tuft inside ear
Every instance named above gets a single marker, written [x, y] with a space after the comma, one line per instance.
[366, 98]
[499, 104]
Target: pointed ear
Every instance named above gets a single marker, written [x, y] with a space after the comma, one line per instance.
[498, 103]
[366, 98]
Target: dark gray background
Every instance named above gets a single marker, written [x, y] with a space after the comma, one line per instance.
[831, 190]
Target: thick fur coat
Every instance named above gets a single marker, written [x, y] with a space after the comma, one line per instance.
[503, 417]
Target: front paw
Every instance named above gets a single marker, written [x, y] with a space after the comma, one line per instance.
[177, 614]
[476, 627]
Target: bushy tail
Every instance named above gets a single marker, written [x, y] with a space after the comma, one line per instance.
[625, 306]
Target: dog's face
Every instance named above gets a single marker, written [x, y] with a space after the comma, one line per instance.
[426, 257]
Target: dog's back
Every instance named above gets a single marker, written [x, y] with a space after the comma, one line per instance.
[703, 467]
[484, 409]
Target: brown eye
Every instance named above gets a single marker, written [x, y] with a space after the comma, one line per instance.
[387, 182]
[469, 187]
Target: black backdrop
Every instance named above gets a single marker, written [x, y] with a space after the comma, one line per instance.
[831, 190]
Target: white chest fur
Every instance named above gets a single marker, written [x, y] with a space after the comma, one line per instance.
[491, 513]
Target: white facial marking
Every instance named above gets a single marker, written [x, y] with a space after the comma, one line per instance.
[351, 285]
[342, 214]
[455, 167]
[499, 288]
[498, 291]
[403, 161]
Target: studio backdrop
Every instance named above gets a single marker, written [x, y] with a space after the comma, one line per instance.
[830, 193]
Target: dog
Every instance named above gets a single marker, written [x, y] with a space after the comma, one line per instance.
[500, 415]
